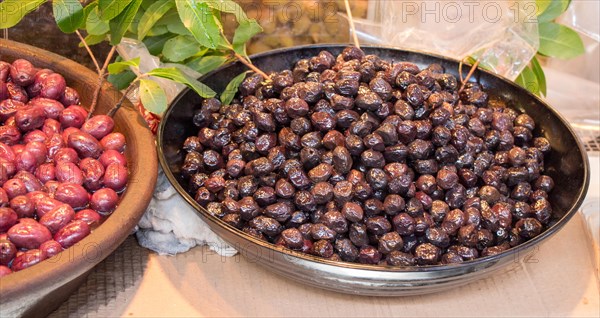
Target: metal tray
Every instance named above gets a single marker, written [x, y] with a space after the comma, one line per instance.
[567, 164]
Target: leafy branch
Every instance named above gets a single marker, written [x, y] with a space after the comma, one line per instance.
[184, 32]
[555, 40]
[152, 95]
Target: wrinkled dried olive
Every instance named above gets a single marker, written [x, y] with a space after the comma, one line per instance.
[369, 161]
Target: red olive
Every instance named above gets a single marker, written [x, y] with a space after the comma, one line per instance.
[3, 198]
[14, 187]
[85, 144]
[30, 118]
[90, 216]
[8, 251]
[28, 233]
[38, 150]
[73, 116]
[52, 108]
[8, 218]
[26, 161]
[98, 126]
[51, 248]
[35, 135]
[6, 152]
[53, 86]
[112, 156]
[67, 132]
[115, 177]
[45, 172]
[7, 169]
[58, 217]
[51, 127]
[8, 107]
[17, 92]
[72, 233]
[51, 186]
[28, 259]
[4, 71]
[104, 200]
[72, 194]
[66, 155]
[114, 141]
[93, 171]
[35, 196]
[34, 89]
[23, 206]
[29, 180]
[44, 205]
[53, 144]
[69, 97]
[68, 172]
[22, 72]
[9, 134]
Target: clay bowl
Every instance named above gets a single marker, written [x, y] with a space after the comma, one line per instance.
[567, 164]
[40, 289]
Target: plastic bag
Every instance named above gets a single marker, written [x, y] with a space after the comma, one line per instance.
[583, 17]
[502, 35]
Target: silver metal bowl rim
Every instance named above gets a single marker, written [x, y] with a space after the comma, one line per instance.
[213, 221]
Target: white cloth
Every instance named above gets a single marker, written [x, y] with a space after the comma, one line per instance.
[170, 225]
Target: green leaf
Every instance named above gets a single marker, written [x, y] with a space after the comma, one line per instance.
[109, 9]
[155, 44]
[177, 27]
[232, 88]
[200, 20]
[541, 6]
[244, 32]
[228, 6]
[169, 17]
[120, 24]
[118, 67]
[539, 74]
[122, 80]
[173, 23]
[89, 8]
[178, 76]
[92, 39]
[158, 30]
[13, 11]
[153, 97]
[559, 41]
[548, 10]
[94, 25]
[205, 64]
[147, 3]
[68, 14]
[528, 80]
[154, 12]
[180, 48]
[133, 27]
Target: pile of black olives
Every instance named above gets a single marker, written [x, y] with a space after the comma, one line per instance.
[358, 159]
[60, 173]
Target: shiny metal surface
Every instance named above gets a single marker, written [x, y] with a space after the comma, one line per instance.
[567, 164]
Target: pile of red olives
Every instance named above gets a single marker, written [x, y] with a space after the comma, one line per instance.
[60, 173]
[354, 158]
